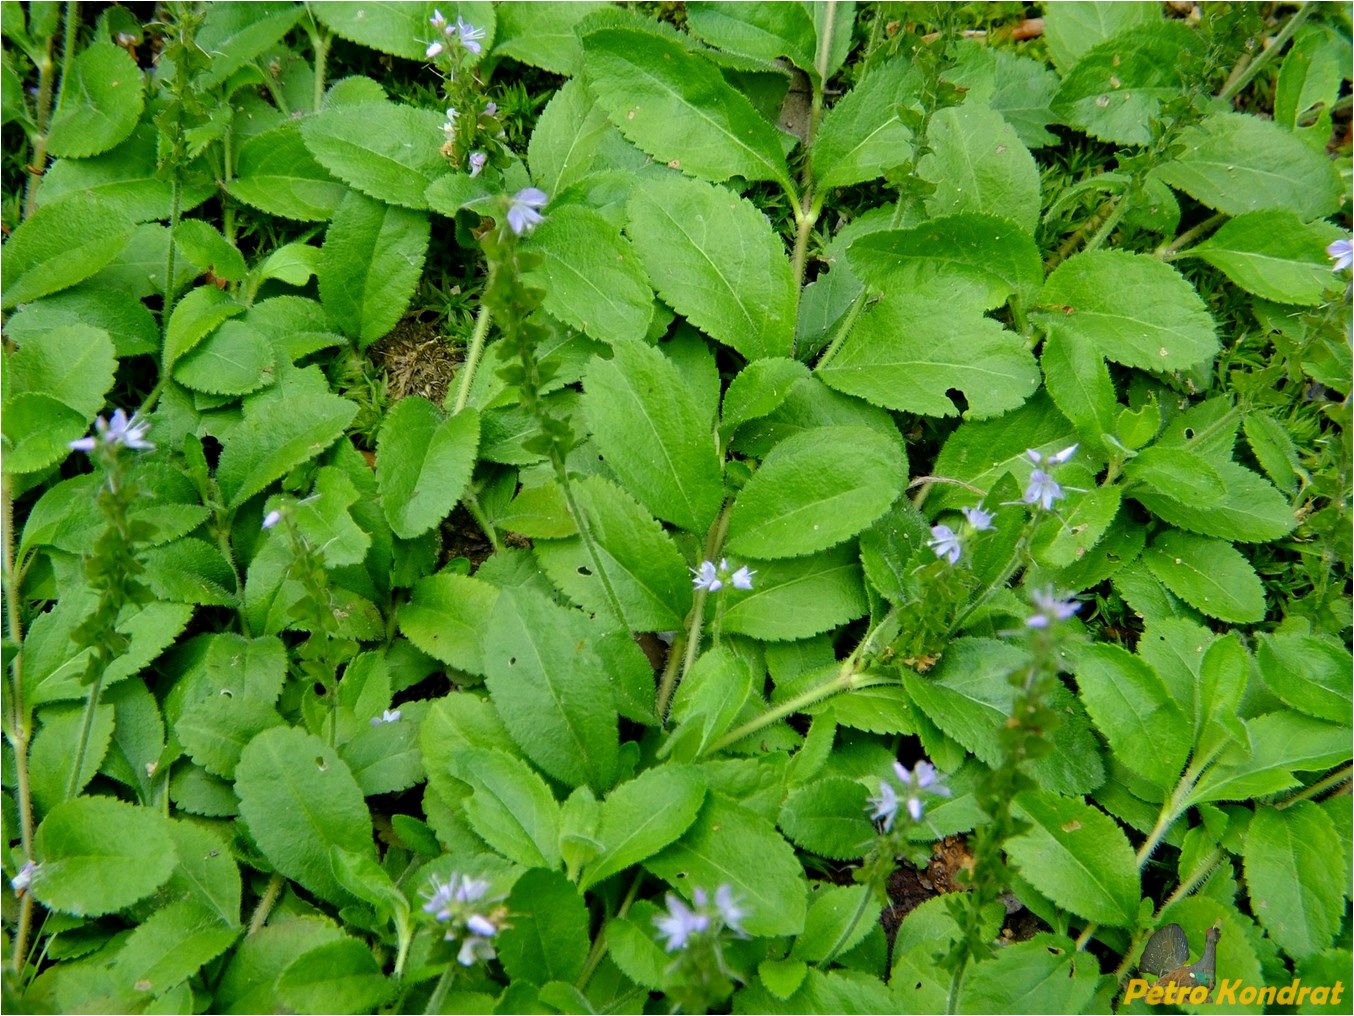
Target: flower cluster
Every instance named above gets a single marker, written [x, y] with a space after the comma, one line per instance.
[468, 35]
[680, 923]
[459, 904]
[712, 577]
[946, 542]
[921, 779]
[122, 431]
[524, 213]
[1342, 252]
[1043, 490]
[1049, 608]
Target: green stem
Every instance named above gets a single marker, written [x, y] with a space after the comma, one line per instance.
[266, 903]
[320, 41]
[599, 944]
[1168, 251]
[846, 679]
[175, 210]
[439, 995]
[585, 534]
[472, 359]
[18, 722]
[46, 107]
[1319, 787]
[1119, 205]
[91, 707]
[846, 932]
[844, 327]
[1238, 81]
[476, 510]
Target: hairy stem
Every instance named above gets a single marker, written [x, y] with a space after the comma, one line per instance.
[266, 903]
[472, 359]
[1245, 73]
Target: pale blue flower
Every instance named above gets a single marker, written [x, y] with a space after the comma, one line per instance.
[679, 923]
[920, 780]
[885, 805]
[24, 878]
[437, 20]
[742, 578]
[978, 518]
[129, 432]
[1049, 608]
[707, 577]
[945, 542]
[1056, 459]
[729, 910]
[272, 519]
[389, 716]
[524, 213]
[458, 903]
[434, 49]
[450, 126]
[477, 161]
[470, 36]
[1043, 490]
[1343, 253]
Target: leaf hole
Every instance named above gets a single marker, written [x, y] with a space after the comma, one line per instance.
[512, 661]
[321, 764]
[227, 693]
[585, 571]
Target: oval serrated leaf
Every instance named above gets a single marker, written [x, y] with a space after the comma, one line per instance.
[446, 617]
[799, 597]
[96, 855]
[1078, 857]
[1296, 876]
[715, 259]
[101, 101]
[1274, 255]
[642, 816]
[423, 463]
[386, 150]
[59, 245]
[509, 806]
[373, 256]
[676, 106]
[276, 173]
[299, 800]
[815, 490]
[654, 436]
[1210, 575]
[1131, 308]
[277, 435]
[594, 280]
[978, 164]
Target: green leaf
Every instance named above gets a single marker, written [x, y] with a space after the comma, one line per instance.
[276, 174]
[72, 363]
[1085, 517]
[117, 312]
[713, 693]
[169, 947]
[796, 598]
[215, 731]
[510, 807]
[1079, 384]
[675, 105]
[206, 874]
[1274, 255]
[51, 757]
[1148, 732]
[1251, 510]
[1046, 972]
[550, 690]
[761, 31]
[387, 151]
[59, 245]
[1177, 473]
[1309, 80]
[276, 436]
[37, 431]
[96, 855]
[569, 132]
[400, 29]
[235, 34]
[715, 259]
[299, 800]
[967, 696]
[1308, 672]
[1210, 575]
[730, 845]
[978, 164]
[1078, 857]
[1117, 89]
[385, 758]
[592, 279]
[1278, 745]
[373, 256]
[195, 316]
[1017, 87]
[832, 926]
[548, 938]
[1074, 27]
[337, 977]
[977, 259]
[545, 36]
[446, 617]
[235, 359]
[758, 390]
[645, 569]
[1296, 877]
[828, 816]
[654, 436]
[1237, 163]
[907, 353]
[642, 816]
[1131, 309]
[862, 137]
[815, 490]
[782, 977]
[248, 982]
[101, 101]
[1274, 449]
[423, 462]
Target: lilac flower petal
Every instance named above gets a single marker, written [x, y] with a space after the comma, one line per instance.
[742, 578]
[977, 518]
[945, 542]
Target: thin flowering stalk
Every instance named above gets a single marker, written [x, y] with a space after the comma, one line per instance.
[671, 675]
